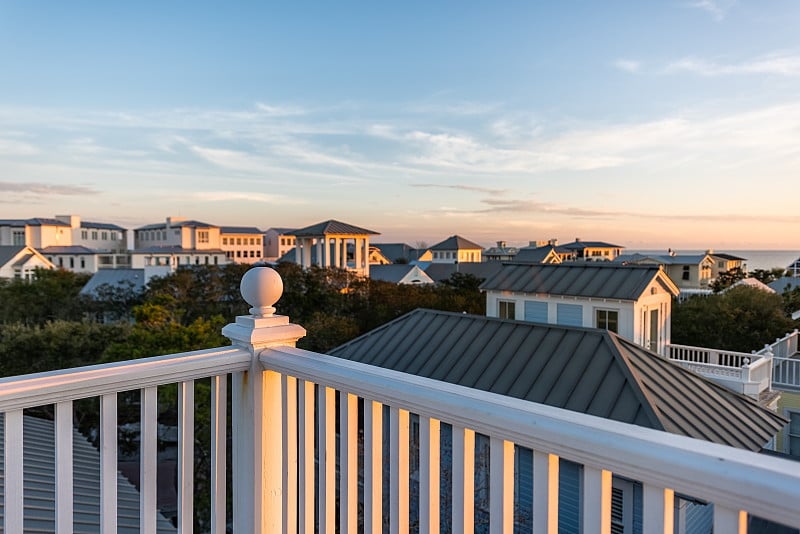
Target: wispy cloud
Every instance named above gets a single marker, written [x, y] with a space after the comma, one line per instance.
[12, 147]
[247, 196]
[30, 188]
[628, 65]
[718, 9]
[780, 64]
[458, 187]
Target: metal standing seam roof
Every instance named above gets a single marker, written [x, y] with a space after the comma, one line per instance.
[443, 271]
[239, 230]
[9, 252]
[332, 227]
[394, 272]
[102, 226]
[456, 242]
[580, 245]
[177, 224]
[535, 255]
[585, 370]
[115, 277]
[40, 484]
[590, 279]
[282, 231]
[68, 249]
[726, 256]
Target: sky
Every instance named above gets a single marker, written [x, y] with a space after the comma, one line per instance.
[645, 124]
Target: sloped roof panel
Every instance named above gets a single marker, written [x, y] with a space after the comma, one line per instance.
[456, 242]
[581, 369]
[332, 227]
[591, 280]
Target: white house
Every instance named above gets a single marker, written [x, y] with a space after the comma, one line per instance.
[399, 273]
[456, 249]
[21, 261]
[178, 232]
[633, 301]
[688, 271]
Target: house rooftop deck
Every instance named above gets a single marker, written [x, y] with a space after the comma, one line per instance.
[287, 403]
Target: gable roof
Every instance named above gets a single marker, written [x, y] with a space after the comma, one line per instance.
[585, 370]
[456, 242]
[36, 221]
[395, 251]
[536, 255]
[590, 280]
[663, 259]
[332, 227]
[14, 252]
[396, 272]
[67, 249]
[117, 278]
[9, 252]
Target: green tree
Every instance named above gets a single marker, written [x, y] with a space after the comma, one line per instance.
[53, 295]
[741, 319]
[767, 275]
[727, 278]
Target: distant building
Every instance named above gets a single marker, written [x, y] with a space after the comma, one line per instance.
[399, 273]
[402, 252]
[688, 271]
[544, 252]
[593, 250]
[456, 249]
[242, 244]
[725, 262]
[633, 301]
[330, 241]
[69, 243]
[21, 261]
[277, 242]
[502, 252]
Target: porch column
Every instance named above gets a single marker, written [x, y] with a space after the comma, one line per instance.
[357, 255]
[337, 254]
[318, 262]
[257, 406]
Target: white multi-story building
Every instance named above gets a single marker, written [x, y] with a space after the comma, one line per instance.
[177, 242]
[277, 242]
[69, 243]
[242, 244]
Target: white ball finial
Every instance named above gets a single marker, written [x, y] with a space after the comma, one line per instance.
[261, 288]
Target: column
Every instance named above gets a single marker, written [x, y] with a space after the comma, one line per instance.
[337, 255]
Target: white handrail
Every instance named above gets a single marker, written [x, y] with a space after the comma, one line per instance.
[731, 478]
[27, 391]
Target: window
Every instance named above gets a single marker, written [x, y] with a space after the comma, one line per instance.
[83, 263]
[84, 234]
[72, 263]
[608, 319]
[258, 253]
[238, 240]
[202, 236]
[19, 237]
[94, 235]
[506, 309]
[224, 240]
[685, 272]
[104, 236]
[114, 236]
[252, 253]
[238, 253]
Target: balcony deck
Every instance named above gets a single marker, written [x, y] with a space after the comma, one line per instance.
[286, 403]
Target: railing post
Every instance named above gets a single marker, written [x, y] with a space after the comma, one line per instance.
[257, 425]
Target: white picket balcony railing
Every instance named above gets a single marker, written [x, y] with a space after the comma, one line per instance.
[745, 373]
[275, 426]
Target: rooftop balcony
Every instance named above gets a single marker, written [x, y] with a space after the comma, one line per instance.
[775, 366]
[297, 466]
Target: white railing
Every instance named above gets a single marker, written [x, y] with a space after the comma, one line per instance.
[745, 373]
[61, 388]
[284, 401]
[784, 347]
[786, 373]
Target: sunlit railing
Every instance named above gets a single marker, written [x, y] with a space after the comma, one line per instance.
[745, 373]
[285, 432]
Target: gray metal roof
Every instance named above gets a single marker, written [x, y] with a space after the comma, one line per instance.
[123, 278]
[726, 256]
[665, 259]
[102, 226]
[590, 279]
[282, 231]
[534, 255]
[8, 252]
[580, 245]
[177, 224]
[36, 221]
[785, 283]
[456, 242]
[585, 370]
[395, 251]
[240, 230]
[67, 249]
[40, 484]
[394, 272]
[332, 227]
[483, 270]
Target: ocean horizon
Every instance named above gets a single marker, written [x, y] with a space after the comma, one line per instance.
[754, 259]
